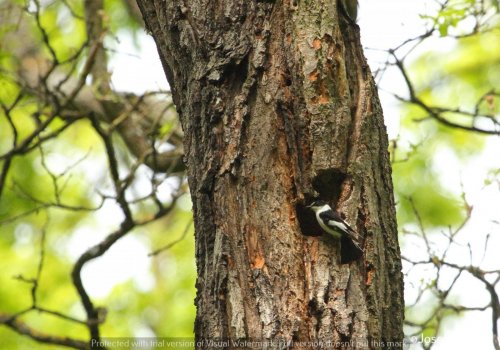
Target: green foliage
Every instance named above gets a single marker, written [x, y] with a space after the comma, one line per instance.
[417, 175]
[458, 80]
[167, 309]
[119, 18]
[456, 12]
[52, 192]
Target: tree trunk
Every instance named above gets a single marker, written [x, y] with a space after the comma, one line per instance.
[279, 107]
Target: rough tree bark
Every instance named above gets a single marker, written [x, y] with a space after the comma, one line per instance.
[278, 107]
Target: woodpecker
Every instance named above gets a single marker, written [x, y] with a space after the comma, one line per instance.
[350, 8]
[333, 224]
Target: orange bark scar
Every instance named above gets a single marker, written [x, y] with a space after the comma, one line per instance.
[258, 262]
[313, 76]
[314, 250]
[256, 257]
[316, 44]
[324, 96]
[369, 277]
[324, 99]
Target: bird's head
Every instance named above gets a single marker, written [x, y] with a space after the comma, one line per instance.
[317, 204]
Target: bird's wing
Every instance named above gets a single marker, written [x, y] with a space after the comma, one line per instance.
[328, 215]
[332, 218]
[350, 246]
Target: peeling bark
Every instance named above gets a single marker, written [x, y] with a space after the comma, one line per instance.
[278, 107]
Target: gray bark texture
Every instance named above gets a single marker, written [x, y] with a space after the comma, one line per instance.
[279, 107]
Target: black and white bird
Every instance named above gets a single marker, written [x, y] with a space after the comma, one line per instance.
[332, 223]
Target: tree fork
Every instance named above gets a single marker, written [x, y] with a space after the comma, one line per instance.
[278, 106]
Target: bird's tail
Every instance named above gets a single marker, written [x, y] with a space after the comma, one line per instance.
[350, 250]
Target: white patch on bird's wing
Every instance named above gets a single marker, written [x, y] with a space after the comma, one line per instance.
[328, 229]
[341, 226]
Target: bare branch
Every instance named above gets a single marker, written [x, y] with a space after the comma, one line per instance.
[21, 328]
